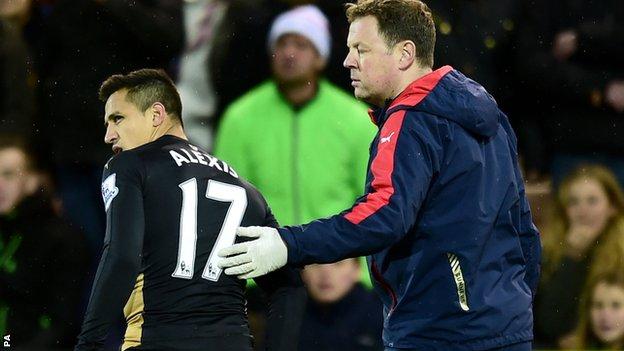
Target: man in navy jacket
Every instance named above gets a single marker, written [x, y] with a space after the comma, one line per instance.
[454, 253]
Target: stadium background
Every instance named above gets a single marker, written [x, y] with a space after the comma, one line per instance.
[555, 66]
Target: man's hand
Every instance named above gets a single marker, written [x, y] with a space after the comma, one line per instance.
[254, 258]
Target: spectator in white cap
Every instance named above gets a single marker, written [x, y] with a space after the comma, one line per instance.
[299, 43]
[297, 137]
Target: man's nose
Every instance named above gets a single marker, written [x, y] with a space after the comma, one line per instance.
[289, 51]
[348, 61]
[111, 136]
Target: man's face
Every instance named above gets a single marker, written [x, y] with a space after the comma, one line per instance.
[295, 60]
[371, 63]
[14, 179]
[329, 283]
[126, 126]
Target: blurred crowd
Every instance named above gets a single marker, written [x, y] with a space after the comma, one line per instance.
[271, 96]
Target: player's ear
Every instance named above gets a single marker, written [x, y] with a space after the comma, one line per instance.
[158, 113]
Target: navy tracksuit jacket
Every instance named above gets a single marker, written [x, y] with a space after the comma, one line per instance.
[454, 252]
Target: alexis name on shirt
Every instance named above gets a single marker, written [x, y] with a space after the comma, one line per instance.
[195, 155]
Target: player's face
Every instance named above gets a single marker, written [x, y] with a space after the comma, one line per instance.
[370, 62]
[126, 126]
[14, 178]
[328, 283]
[588, 204]
[295, 60]
[607, 313]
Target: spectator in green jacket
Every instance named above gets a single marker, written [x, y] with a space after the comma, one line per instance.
[299, 139]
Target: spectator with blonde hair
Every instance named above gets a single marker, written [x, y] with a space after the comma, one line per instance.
[601, 325]
[584, 231]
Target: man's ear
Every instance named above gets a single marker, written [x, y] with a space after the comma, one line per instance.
[407, 53]
[158, 113]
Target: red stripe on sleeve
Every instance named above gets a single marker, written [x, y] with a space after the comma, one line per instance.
[382, 168]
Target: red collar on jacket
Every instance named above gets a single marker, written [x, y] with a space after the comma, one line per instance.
[412, 94]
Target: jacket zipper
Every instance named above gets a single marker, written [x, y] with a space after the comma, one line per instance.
[385, 286]
[295, 170]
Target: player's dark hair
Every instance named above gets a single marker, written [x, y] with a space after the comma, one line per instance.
[145, 87]
[9, 141]
[400, 20]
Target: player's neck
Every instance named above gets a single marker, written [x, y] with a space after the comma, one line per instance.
[178, 131]
[174, 129]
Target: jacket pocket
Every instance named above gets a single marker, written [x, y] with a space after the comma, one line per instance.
[458, 276]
